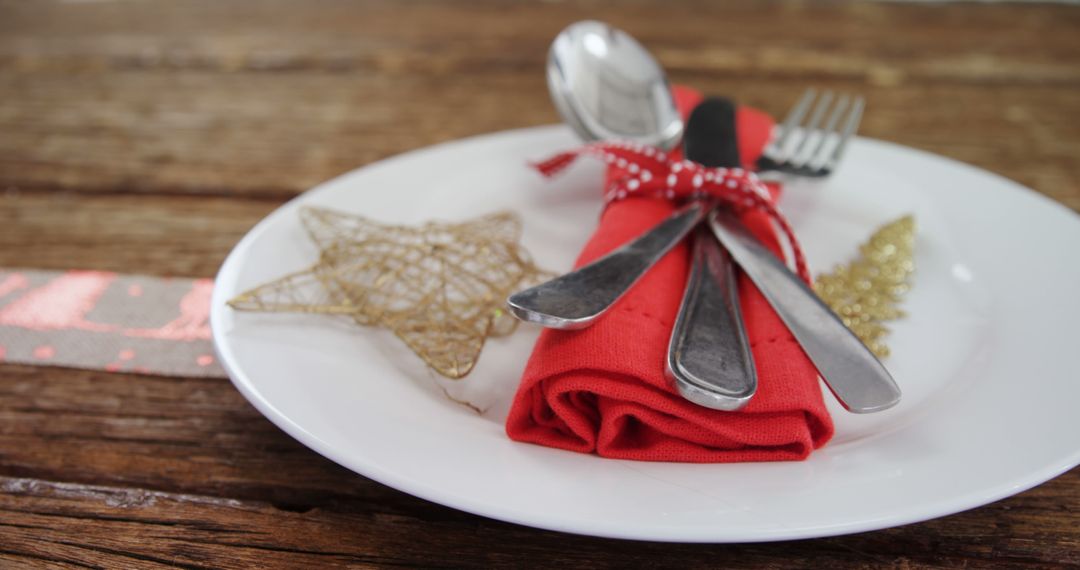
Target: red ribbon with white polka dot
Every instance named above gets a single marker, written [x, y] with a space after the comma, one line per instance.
[644, 171]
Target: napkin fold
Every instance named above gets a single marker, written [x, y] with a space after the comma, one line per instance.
[603, 389]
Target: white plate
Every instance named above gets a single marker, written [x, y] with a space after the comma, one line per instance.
[986, 359]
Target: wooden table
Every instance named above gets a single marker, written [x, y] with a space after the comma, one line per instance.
[149, 136]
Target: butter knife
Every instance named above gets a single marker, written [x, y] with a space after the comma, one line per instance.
[849, 369]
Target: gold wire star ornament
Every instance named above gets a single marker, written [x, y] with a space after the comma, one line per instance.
[867, 292]
[440, 287]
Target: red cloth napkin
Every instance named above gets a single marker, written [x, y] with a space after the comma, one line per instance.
[603, 390]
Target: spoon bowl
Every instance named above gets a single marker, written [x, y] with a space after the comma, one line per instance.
[607, 86]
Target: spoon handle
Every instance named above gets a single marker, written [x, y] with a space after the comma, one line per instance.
[850, 370]
[576, 299]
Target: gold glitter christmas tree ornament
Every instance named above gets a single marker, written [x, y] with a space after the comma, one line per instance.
[440, 287]
[866, 292]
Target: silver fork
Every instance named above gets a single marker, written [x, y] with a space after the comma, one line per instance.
[810, 148]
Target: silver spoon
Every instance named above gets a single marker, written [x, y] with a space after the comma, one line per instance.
[607, 86]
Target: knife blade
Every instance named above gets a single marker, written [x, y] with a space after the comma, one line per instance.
[575, 300]
[853, 374]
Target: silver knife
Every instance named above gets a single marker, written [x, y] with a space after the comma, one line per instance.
[850, 370]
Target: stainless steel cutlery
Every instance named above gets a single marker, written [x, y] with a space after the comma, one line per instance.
[607, 86]
[811, 148]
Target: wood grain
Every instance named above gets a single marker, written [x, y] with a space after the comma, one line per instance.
[177, 235]
[107, 525]
[148, 106]
[159, 464]
[148, 137]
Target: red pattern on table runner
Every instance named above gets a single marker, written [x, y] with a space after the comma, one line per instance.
[107, 321]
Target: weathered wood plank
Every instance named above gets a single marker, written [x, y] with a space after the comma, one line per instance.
[144, 437]
[945, 42]
[185, 236]
[160, 135]
[109, 526]
[192, 436]
[167, 103]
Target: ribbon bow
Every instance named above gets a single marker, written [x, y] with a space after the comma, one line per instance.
[649, 172]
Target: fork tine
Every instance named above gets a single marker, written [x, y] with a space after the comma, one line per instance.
[794, 117]
[808, 129]
[850, 127]
[818, 157]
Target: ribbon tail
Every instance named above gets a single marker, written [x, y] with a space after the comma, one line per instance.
[555, 164]
[789, 235]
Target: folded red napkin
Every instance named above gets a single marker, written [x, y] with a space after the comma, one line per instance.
[603, 390]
